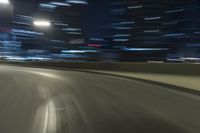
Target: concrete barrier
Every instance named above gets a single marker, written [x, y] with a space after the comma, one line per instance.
[184, 77]
[159, 68]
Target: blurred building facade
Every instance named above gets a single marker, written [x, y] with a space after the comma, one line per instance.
[9, 47]
[140, 30]
[66, 31]
[155, 29]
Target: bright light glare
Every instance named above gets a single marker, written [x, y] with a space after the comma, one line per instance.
[4, 2]
[42, 23]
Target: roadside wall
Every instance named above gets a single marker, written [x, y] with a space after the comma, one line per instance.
[159, 68]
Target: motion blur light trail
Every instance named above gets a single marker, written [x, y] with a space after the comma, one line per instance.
[112, 28]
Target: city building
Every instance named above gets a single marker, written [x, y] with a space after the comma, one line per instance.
[9, 47]
[153, 29]
[52, 29]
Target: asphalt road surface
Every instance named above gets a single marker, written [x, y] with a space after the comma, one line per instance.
[34, 100]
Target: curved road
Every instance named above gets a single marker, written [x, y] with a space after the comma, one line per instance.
[34, 100]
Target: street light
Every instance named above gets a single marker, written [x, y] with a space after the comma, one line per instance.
[4, 2]
[42, 23]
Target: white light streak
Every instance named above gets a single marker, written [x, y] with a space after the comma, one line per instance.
[135, 7]
[59, 4]
[77, 2]
[42, 23]
[151, 18]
